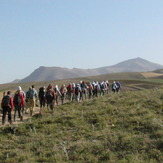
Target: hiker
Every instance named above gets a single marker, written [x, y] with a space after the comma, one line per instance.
[78, 92]
[118, 86]
[58, 93]
[107, 86]
[18, 103]
[96, 89]
[7, 107]
[50, 97]
[102, 88]
[24, 95]
[31, 96]
[70, 91]
[90, 90]
[114, 87]
[63, 91]
[41, 96]
[84, 87]
[73, 91]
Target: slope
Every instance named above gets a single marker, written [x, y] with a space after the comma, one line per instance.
[125, 127]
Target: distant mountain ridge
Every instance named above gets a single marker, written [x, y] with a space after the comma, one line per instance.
[58, 73]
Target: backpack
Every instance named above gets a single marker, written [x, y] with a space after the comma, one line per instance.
[89, 87]
[31, 94]
[69, 88]
[17, 99]
[77, 90]
[41, 92]
[49, 96]
[102, 86]
[6, 101]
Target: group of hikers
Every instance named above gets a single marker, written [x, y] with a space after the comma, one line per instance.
[48, 97]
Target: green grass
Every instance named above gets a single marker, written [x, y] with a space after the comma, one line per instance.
[155, 80]
[125, 127]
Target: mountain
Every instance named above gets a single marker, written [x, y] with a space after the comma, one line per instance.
[16, 81]
[57, 73]
[132, 65]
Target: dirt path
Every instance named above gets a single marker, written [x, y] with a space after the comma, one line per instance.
[26, 117]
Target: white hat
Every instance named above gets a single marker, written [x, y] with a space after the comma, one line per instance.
[19, 88]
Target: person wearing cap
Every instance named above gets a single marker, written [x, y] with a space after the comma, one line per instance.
[7, 106]
[19, 100]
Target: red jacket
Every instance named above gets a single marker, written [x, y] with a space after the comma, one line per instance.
[11, 103]
[22, 97]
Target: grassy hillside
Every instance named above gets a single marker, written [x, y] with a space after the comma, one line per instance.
[125, 127]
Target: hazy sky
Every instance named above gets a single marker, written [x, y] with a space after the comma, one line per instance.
[77, 33]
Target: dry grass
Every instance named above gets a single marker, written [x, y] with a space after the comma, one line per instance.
[151, 74]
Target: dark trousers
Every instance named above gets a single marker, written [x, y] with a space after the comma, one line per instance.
[18, 109]
[42, 102]
[6, 109]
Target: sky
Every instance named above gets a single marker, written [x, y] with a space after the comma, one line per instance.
[77, 34]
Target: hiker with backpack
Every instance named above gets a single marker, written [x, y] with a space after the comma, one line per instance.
[41, 96]
[31, 97]
[90, 90]
[114, 86]
[84, 91]
[18, 103]
[58, 93]
[107, 86]
[102, 88]
[24, 95]
[7, 107]
[50, 97]
[70, 91]
[63, 91]
[78, 92]
[96, 89]
[118, 86]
